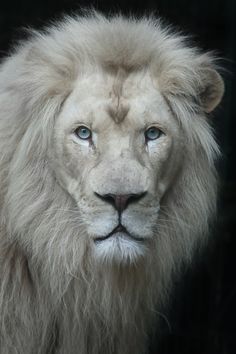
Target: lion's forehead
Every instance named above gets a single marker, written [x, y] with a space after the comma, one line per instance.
[101, 83]
[96, 101]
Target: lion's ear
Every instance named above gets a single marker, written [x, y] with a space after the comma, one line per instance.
[211, 89]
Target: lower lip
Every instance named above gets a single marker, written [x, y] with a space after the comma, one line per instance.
[124, 235]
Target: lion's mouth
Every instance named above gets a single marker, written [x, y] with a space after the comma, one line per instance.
[121, 230]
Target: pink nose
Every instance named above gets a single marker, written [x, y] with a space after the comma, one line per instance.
[121, 201]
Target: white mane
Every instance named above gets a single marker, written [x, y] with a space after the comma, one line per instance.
[51, 294]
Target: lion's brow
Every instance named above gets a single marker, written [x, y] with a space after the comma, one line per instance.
[118, 113]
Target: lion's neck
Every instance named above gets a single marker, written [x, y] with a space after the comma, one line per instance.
[107, 309]
[95, 311]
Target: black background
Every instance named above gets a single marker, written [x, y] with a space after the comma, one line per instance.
[202, 316]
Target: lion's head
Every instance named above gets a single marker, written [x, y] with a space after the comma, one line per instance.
[116, 150]
[107, 158]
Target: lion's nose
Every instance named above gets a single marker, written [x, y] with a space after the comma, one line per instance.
[121, 201]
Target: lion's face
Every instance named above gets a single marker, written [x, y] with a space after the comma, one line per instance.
[117, 148]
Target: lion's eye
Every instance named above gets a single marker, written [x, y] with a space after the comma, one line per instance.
[83, 133]
[152, 133]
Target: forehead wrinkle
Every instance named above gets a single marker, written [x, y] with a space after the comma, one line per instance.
[118, 110]
[118, 83]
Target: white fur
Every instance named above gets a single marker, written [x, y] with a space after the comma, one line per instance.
[55, 293]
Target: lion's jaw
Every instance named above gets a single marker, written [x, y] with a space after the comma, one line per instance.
[117, 160]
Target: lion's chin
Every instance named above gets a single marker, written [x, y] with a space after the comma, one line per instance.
[119, 248]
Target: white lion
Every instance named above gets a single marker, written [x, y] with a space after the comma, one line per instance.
[107, 181]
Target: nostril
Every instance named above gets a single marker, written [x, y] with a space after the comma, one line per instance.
[121, 201]
[106, 198]
[136, 197]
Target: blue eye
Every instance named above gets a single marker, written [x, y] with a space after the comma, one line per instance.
[153, 133]
[83, 133]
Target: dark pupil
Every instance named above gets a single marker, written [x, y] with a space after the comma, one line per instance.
[84, 133]
[152, 133]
